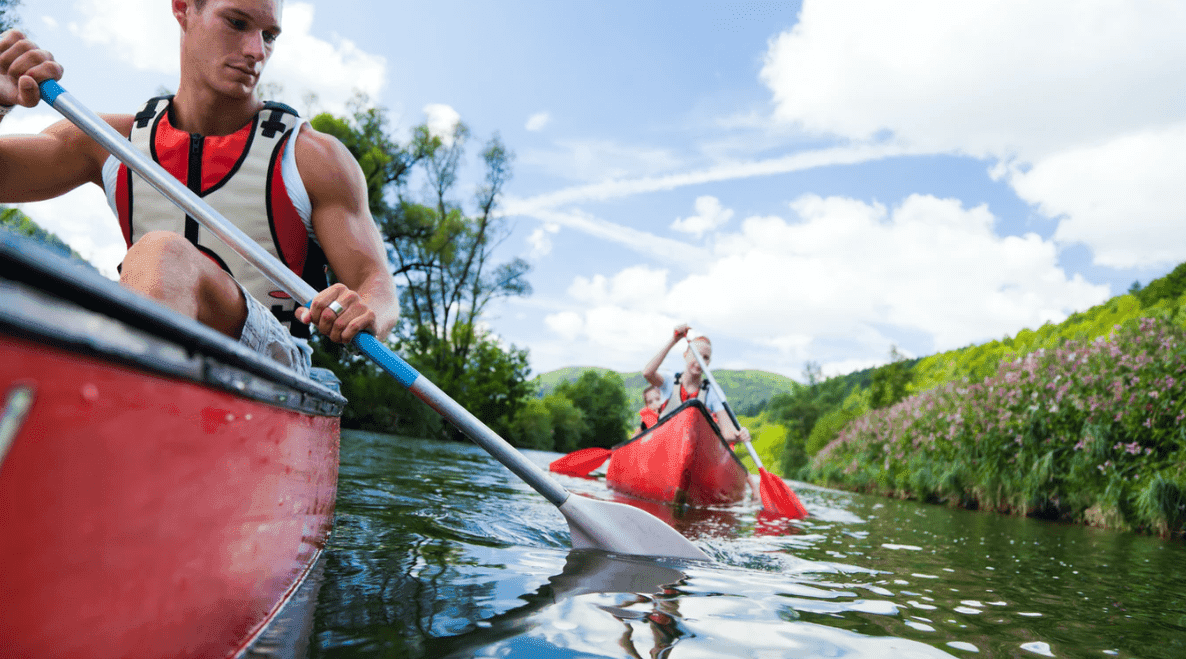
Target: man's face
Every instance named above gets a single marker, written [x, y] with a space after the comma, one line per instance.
[227, 42]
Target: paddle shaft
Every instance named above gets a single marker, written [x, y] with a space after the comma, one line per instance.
[110, 139]
[716, 388]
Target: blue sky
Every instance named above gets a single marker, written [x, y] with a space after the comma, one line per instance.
[800, 181]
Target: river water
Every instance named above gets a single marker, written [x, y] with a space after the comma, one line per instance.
[438, 551]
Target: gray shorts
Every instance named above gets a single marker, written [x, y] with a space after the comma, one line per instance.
[264, 334]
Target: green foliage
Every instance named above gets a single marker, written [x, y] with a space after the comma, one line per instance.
[828, 426]
[889, 382]
[568, 423]
[551, 423]
[443, 257]
[532, 426]
[490, 381]
[601, 398]
[1170, 287]
[1091, 430]
[19, 223]
[768, 439]
[801, 409]
[748, 390]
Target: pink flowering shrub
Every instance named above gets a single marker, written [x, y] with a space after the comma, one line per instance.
[1092, 430]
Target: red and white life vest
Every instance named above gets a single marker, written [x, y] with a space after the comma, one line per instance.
[678, 395]
[240, 175]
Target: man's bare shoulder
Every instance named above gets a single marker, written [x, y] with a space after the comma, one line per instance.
[325, 164]
[315, 150]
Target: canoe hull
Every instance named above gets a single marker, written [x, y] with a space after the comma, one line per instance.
[683, 461]
[163, 491]
[148, 517]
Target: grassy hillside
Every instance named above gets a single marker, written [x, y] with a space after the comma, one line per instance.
[743, 388]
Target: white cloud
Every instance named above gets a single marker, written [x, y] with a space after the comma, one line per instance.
[985, 77]
[145, 34]
[441, 119]
[541, 241]
[537, 121]
[568, 324]
[647, 244]
[1124, 198]
[729, 171]
[636, 287]
[1056, 90]
[844, 272]
[709, 215]
[332, 70]
[601, 160]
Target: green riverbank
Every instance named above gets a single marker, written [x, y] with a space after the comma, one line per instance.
[1091, 431]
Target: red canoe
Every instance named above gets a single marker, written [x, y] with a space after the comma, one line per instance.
[163, 492]
[682, 460]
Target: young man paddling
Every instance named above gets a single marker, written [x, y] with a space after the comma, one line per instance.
[296, 191]
[679, 387]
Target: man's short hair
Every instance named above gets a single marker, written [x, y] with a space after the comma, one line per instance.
[704, 339]
[201, 4]
[648, 390]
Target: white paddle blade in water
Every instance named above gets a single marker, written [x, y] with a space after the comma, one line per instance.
[623, 529]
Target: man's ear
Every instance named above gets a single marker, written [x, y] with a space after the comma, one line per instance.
[180, 9]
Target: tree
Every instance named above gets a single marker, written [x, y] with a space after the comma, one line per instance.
[890, 382]
[551, 423]
[443, 257]
[801, 409]
[601, 398]
[568, 423]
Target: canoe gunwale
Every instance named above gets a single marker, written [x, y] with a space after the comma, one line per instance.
[65, 304]
[699, 405]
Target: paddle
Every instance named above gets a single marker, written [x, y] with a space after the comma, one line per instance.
[593, 524]
[776, 495]
[580, 463]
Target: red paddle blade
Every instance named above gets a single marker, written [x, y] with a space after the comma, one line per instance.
[778, 497]
[580, 463]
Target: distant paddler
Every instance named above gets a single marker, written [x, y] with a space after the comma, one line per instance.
[675, 388]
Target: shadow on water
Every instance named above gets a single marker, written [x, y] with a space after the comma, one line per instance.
[438, 551]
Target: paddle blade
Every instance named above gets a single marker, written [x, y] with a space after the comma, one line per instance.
[623, 529]
[777, 496]
[580, 463]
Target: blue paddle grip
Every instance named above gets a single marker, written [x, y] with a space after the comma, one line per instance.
[387, 360]
[51, 90]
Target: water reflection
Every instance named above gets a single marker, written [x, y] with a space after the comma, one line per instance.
[440, 552]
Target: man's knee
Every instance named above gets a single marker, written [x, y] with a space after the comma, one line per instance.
[166, 267]
[158, 250]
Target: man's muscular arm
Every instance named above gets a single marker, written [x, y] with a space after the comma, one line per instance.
[343, 224]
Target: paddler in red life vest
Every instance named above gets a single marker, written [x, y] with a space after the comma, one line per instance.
[675, 388]
[296, 191]
[653, 402]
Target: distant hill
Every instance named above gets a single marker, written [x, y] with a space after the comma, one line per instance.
[743, 388]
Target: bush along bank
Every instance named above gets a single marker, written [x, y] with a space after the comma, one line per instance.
[1092, 431]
